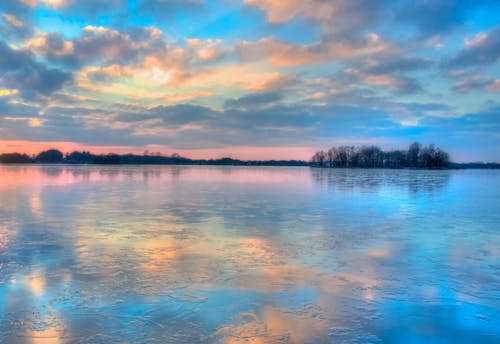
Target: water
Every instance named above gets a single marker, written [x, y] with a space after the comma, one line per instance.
[134, 254]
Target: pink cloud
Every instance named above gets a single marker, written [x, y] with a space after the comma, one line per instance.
[285, 54]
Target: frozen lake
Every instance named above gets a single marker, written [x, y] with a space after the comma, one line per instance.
[166, 254]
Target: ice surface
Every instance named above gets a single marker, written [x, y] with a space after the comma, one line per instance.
[165, 254]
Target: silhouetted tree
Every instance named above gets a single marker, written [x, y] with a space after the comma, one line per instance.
[394, 159]
[372, 156]
[431, 156]
[319, 159]
[111, 159]
[412, 154]
[15, 158]
[79, 158]
[51, 156]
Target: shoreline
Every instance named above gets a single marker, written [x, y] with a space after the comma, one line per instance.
[270, 163]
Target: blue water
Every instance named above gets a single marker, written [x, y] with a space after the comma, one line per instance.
[165, 254]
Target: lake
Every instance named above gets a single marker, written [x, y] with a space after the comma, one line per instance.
[171, 254]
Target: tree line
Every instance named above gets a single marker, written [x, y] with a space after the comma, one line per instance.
[416, 156]
[54, 156]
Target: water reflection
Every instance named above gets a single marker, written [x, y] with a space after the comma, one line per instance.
[416, 181]
[159, 254]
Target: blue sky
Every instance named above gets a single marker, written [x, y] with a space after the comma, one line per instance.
[253, 79]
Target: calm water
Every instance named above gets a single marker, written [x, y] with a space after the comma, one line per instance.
[93, 254]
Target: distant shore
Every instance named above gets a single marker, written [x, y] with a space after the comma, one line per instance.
[53, 156]
[85, 158]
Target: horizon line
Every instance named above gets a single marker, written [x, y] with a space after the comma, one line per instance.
[179, 156]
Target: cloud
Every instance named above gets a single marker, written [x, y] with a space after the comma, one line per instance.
[470, 137]
[52, 44]
[276, 72]
[339, 92]
[206, 50]
[285, 54]
[13, 20]
[151, 62]
[88, 9]
[254, 116]
[172, 97]
[279, 11]
[242, 77]
[483, 49]
[343, 17]
[49, 3]
[395, 63]
[13, 108]
[172, 77]
[469, 82]
[387, 71]
[254, 100]
[17, 20]
[427, 107]
[91, 10]
[19, 70]
[6, 92]
[178, 115]
[61, 98]
[96, 44]
[432, 18]
[396, 83]
[188, 126]
[350, 18]
[264, 121]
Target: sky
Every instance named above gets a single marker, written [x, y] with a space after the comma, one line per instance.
[249, 79]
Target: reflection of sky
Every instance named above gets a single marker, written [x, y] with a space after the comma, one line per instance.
[207, 254]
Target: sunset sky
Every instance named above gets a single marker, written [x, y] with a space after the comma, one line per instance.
[251, 79]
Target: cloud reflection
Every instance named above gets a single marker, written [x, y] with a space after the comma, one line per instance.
[231, 254]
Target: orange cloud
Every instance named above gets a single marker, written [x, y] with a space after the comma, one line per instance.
[8, 92]
[32, 121]
[40, 44]
[332, 16]
[50, 3]
[206, 50]
[171, 97]
[253, 77]
[13, 20]
[285, 54]
[279, 11]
